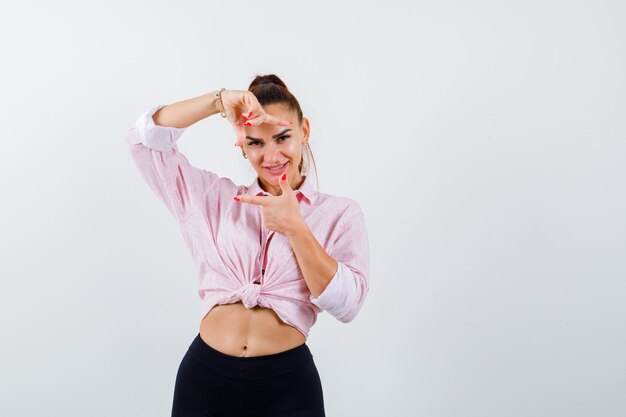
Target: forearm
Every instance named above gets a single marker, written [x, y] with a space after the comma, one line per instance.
[184, 113]
[317, 267]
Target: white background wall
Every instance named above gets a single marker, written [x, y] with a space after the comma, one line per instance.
[483, 140]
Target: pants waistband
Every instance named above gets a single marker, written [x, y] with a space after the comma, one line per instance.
[249, 367]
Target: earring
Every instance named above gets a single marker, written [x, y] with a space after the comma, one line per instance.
[244, 154]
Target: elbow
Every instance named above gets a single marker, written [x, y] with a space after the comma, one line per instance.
[345, 295]
[356, 307]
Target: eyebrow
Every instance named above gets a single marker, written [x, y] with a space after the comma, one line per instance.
[275, 136]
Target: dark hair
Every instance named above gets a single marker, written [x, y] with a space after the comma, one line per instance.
[269, 89]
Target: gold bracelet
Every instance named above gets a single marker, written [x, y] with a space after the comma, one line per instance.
[220, 105]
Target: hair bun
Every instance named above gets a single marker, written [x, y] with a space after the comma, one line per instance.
[266, 81]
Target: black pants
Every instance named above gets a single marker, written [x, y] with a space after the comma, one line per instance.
[210, 383]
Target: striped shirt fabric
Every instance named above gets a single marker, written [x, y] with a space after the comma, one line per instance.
[236, 257]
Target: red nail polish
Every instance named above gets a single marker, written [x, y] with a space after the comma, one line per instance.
[249, 114]
[242, 116]
[284, 177]
[237, 198]
[247, 124]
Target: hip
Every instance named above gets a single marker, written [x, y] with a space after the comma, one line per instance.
[210, 382]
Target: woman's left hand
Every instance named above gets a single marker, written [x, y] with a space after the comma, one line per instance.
[281, 213]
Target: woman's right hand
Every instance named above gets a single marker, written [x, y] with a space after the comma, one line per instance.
[241, 107]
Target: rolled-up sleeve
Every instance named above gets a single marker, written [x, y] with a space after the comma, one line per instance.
[154, 150]
[345, 294]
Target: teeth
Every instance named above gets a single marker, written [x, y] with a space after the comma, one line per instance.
[278, 167]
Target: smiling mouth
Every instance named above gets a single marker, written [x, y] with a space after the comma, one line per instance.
[277, 168]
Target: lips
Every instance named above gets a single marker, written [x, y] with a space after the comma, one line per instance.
[276, 166]
[279, 170]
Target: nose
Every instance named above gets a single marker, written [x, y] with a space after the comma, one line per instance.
[273, 155]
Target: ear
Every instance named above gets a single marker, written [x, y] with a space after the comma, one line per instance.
[306, 128]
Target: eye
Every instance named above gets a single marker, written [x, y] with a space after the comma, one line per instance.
[256, 142]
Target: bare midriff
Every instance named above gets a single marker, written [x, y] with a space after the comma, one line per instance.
[238, 331]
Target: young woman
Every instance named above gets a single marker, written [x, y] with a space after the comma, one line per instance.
[270, 256]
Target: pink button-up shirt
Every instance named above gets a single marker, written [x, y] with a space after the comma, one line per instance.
[236, 256]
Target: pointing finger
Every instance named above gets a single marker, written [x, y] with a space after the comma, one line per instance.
[252, 199]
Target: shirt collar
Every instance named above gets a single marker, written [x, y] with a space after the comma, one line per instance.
[305, 191]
